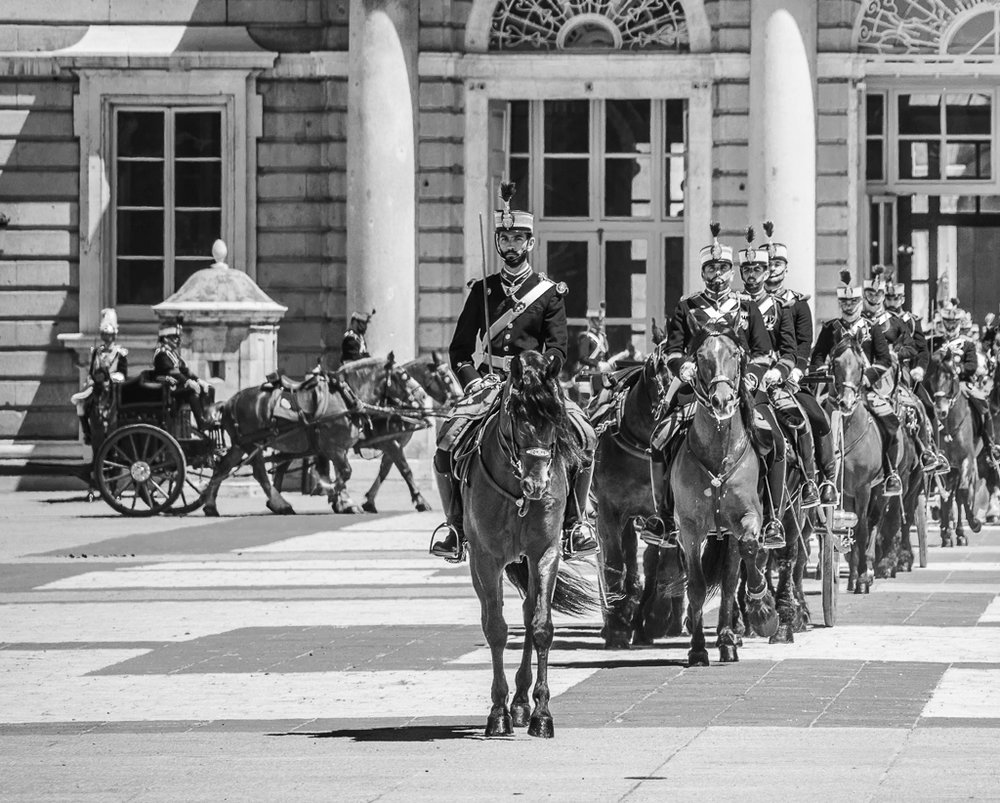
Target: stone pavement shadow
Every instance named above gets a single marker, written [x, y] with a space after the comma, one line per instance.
[402, 733]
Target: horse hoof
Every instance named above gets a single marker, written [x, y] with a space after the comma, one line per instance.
[281, 510]
[369, 507]
[783, 635]
[499, 724]
[617, 640]
[421, 505]
[520, 714]
[946, 542]
[541, 727]
[882, 572]
[728, 654]
[697, 658]
[963, 541]
[212, 512]
[975, 525]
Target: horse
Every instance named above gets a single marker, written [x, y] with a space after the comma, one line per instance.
[894, 552]
[860, 463]
[621, 487]
[440, 384]
[328, 422]
[514, 499]
[714, 478]
[960, 445]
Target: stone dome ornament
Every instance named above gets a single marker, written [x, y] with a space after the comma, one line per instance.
[588, 25]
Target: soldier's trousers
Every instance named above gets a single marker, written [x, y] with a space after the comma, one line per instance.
[820, 425]
[888, 424]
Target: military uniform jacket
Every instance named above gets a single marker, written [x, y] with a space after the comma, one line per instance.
[541, 326]
[106, 360]
[593, 347]
[871, 339]
[353, 347]
[920, 346]
[897, 335]
[797, 305]
[738, 310]
[167, 362]
[781, 330]
[965, 349]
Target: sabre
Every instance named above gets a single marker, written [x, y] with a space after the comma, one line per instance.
[486, 305]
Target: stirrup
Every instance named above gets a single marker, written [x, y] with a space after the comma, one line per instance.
[456, 555]
[772, 535]
[809, 495]
[944, 466]
[893, 486]
[928, 461]
[828, 494]
[585, 532]
[653, 531]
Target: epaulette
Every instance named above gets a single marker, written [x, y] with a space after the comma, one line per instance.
[791, 296]
[691, 297]
[123, 351]
[562, 288]
[471, 282]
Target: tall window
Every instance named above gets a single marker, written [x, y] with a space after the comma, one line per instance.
[945, 136]
[167, 198]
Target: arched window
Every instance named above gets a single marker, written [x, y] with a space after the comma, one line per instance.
[975, 35]
[589, 25]
[929, 27]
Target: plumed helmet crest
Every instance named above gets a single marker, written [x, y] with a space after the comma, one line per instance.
[750, 234]
[715, 227]
[845, 276]
[768, 229]
[507, 190]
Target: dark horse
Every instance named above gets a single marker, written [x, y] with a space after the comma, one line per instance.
[440, 384]
[715, 483]
[514, 503]
[860, 462]
[960, 445]
[622, 487]
[331, 423]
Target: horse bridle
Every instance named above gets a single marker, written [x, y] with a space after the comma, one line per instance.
[512, 449]
[703, 392]
[386, 399]
[948, 399]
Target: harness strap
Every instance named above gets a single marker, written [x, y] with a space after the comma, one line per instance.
[718, 481]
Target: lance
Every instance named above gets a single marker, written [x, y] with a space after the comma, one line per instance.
[486, 299]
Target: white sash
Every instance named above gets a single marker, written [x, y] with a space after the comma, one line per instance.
[515, 312]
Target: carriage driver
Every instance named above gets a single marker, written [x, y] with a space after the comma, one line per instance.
[108, 363]
[169, 367]
[872, 341]
[353, 347]
[526, 312]
[717, 302]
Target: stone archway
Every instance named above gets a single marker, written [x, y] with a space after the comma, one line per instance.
[477, 29]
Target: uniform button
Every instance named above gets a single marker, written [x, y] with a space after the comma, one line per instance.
[510, 326]
[507, 336]
[506, 348]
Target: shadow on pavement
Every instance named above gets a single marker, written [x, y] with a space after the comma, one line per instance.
[405, 733]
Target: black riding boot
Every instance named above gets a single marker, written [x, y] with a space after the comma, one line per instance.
[923, 438]
[982, 408]
[889, 425]
[578, 538]
[828, 467]
[197, 410]
[452, 546]
[85, 426]
[655, 530]
[773, 534]
[807, 454]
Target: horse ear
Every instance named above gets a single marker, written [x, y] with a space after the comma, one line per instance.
[391, 359]
[516, 370]
[555, 366]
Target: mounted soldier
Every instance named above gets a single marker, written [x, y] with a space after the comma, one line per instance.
[108, 366]
[718, 302]
[353, 347]
[505, 314]
[871, 339]
[185, 386]
[593, 351]
[754, 270]
[797, 305]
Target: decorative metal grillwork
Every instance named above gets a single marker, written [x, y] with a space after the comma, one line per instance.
[910, 26]
[578, 24]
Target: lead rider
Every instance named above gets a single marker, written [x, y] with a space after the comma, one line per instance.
[519, 310]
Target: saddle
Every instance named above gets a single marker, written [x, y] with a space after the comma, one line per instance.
[297, 401]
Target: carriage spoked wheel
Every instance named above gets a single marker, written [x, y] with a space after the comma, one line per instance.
[139, 470]
[198, 471]
[830, 562]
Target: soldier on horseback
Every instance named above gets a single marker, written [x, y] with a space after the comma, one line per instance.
[353, 347]
[507, 313]
[108, 365]
[593, 350]
[871, 338]
[185, 386]
[797, 306]
[717, 302]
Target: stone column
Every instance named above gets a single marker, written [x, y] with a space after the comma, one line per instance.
[381, 172]
[782, 173]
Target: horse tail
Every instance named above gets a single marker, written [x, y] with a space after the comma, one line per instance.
[574, 594]
[713, 563]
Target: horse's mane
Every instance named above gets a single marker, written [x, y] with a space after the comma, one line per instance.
[724, 329]
[539, 400]
[356, 367]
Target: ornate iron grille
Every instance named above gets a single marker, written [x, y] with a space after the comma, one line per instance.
[910, 26]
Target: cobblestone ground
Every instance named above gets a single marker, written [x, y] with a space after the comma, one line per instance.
[322, 656]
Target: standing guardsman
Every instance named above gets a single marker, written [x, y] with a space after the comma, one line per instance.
[169, 367]
[872, 341]
[353, 347]
[717, 302]
[108, 365]
[505, 314]
[798, 308]
[593, 349]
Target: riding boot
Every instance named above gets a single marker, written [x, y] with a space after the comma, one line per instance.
[889, 425]
[772, 535]
[654, 530]
[989, 439]
[923, 438]
[452, 546]
[85, 426]
[198, 411]
[807, 455]
[828, 467]
[578, 537]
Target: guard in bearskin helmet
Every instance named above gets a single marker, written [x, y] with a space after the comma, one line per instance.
[108, 365]
[717, 302]
[185, 386]
[353, 347]
[871, 338]
[798, 308]
[517, 310]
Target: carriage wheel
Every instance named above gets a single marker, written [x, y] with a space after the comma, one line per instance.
[830, 559]
[920, 520]
[139, 470]
[196, 480]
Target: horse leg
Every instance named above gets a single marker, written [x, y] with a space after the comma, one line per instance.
[520, 708]
[486, 579]
[226, 466]
[276, 503]
[384, 467]
[340, 500]
[887, 533]
[725, 637]
[613, 530]
[401, 464]
[798, 572]
[697, 654]
[761, 614]
[543, 580]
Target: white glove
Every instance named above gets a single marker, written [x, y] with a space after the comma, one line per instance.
[687, 372]
[192, 384]
[117, 376]
[203, 384]
[603, 366]
[917, 374]
[772, 376]
[474, 386]
[795, 376]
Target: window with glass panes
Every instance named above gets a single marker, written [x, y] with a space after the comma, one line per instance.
[168, 198]
[945, 136]
[605, 179]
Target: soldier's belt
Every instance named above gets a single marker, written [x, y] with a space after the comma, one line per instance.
[501, 363]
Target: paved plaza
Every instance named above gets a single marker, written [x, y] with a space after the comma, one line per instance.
[329, 657]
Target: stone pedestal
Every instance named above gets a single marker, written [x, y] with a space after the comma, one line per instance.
[782, 177]
[381, 172]
[230, 326]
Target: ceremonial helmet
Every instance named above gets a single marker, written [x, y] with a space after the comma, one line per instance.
[874, 289]
[170, 330]
[951, 316]
[753, 264]
[599, 312]
[361, 317]
[109, 322]
[506, 219]
[966, 326]
[716, 262]
[849, 297]
[777, 256]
